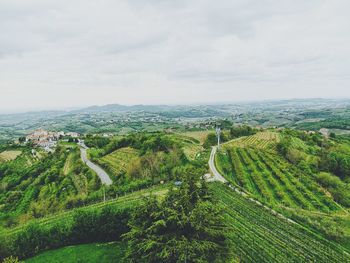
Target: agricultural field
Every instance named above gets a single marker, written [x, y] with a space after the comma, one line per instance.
[255, 234]
[192, 151]
[128, 200]
[253, 165]
[34, 185]
[89, 253]
[119, 161]
[6, 156]
[200, 136]
[61, 226]
[261, 140]
[259, 236]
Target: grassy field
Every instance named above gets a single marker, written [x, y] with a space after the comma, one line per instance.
[9, 155]
[251, 163]
[257, 235]
[192, 150]
[120, 160]
[87, 253]
[198, 135]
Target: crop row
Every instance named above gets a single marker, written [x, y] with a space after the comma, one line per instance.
[259, 236]
[274, 181]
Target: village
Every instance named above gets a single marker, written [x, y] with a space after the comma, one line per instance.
[48, 139]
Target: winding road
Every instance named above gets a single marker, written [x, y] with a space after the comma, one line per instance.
[105, 179]
[216, 176]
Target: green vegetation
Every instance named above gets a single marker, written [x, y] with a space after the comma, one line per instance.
[139, 160]
[251, 164]
[51, 201]
[259, 236]
[120, 161]
[33, 186]
[89, 253]
[9, 155]
[184, 227]
[102, 222]
[290, 172]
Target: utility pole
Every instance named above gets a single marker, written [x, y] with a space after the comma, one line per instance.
[218, 132]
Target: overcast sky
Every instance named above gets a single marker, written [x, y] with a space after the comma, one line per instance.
[56, 54]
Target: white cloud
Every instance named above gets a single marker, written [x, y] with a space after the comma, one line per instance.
[67, 53]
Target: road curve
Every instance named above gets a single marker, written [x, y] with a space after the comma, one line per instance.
[105, 179]
[216, 175]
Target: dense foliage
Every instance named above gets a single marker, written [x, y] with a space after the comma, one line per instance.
[85, 226]
[184, 227]
[36, 184]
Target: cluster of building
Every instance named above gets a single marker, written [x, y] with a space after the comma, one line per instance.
[47, 139]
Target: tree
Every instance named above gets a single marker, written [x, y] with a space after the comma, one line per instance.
[184, 227]
[210, 140]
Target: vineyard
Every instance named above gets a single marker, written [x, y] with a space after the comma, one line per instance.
[120, 160]
[121, 202]
[261, 140]
[259, 236]
[268, 177]
[9, 155]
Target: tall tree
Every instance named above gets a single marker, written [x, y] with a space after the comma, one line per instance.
[184, 227]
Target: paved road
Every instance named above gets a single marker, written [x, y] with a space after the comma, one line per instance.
[105, 179]
[216, 176]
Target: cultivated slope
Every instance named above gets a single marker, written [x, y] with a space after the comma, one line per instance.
[259, 236]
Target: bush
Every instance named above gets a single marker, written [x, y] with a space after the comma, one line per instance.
[339, 190]
[86, 226]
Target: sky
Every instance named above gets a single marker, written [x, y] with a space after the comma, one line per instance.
[73, 53]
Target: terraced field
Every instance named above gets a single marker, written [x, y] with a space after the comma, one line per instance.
[198, 135]
[9, 155]
[261, 140]
[121, 202]
[259, 236]
[269, 178]
[118, 161]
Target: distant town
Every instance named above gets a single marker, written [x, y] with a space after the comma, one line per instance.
[47, 139]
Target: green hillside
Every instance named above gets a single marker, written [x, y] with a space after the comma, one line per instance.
[120, 161]
[291, 172]
[255, 234]
[33, 186]
[253, 164]
[259, 236]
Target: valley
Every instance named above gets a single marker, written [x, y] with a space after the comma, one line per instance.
[283, 193]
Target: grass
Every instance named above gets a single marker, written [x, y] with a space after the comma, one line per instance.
[256, 235]
[120, 160]
[87, 253]
[9, 155]
[68, 164]
[192, 150]
[198, 135]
